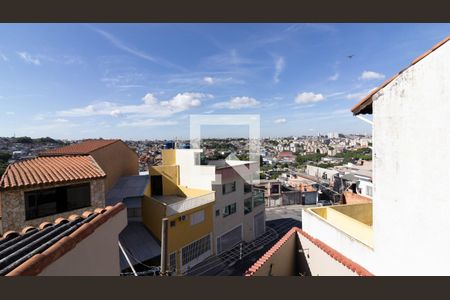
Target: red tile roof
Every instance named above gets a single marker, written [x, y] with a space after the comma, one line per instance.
[364, 106]
[83, 148]
[50, 170]
[327, 249]
[38, 262]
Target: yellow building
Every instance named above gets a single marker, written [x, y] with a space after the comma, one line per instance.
[188, 208]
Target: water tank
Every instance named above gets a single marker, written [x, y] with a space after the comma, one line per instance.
[169, 145]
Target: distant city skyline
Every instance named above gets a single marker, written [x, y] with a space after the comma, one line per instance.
[142, 81]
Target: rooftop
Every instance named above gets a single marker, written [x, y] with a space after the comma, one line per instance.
[275, 250]
[83, 148]
[50, 170]
[127, 187]
[354, 220]
[32, 250]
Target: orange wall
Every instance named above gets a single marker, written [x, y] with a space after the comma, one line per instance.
[116, 160]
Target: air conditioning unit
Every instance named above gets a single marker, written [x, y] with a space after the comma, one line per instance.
[182, 218]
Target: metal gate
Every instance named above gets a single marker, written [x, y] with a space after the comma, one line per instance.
[259, 224]
[229, 239]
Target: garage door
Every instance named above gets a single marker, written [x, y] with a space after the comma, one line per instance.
[259, 224]
[229, 239]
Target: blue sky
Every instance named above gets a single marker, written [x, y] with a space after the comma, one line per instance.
[142, 81]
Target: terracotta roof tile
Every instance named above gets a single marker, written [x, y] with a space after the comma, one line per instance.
[38, 262]
[83, 148]
[367, 101]
[327, 249]
[50, 170]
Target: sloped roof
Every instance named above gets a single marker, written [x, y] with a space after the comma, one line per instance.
[324, 247]
[83, 148]
[50, 170]
[365, 105]
[29, 252]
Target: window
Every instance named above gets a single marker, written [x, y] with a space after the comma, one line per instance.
[46, 202]
[197, 217]
[247, 187]
[229, 210]
[369, 191]
[173, 262]
[248, 205]
[172, 223]
[217, 212]
[195, 249]
[275, 189]
[258, 197]
[228, 187]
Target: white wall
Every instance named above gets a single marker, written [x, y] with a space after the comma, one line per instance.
[96, 255]
[192, 174]
[339, 241]
[411, 158]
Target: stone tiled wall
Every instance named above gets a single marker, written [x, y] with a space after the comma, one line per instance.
[13, 206]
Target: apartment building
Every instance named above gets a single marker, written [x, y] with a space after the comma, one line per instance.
[394, 232]
[181, 191]
[113, 156]
[46, 188]
[239, 210]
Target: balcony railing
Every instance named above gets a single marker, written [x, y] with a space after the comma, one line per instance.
[189, 203]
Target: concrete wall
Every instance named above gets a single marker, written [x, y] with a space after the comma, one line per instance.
[411, 143]
[317, 171]
[319, 262]
[338, 240]
[96, 255]
[13, 206]
[282, 262]
[116, 160]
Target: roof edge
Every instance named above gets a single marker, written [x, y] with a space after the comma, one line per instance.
[358, 269]
[37, 263]
[367, 101]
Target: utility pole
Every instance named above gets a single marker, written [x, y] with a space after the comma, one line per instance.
[164, 239]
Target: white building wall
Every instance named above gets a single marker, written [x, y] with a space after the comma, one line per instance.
[339, 241]
[411, 158]
[192, 174]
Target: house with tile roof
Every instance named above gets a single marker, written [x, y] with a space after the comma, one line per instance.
[83, 244]
[45, 188]
[113, 156]
[407, 222]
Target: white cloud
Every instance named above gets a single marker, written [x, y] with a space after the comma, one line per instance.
[208, 80]
[280, 121]
[29, 58]
[279, 66]
[334, 77]
[238, 103]
[60, 120]
[138, 53]
[308, 97]
[3, 57]
[146, 123]
[370, 75]
[359, 95]
[10, 113]
[151, 106]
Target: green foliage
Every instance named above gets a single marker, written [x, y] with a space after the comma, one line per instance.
[302, 159]
[24, 140]
[350, 155]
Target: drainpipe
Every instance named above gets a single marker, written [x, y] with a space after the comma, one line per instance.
[165, 223]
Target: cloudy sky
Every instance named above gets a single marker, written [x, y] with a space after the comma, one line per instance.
[143, 81]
